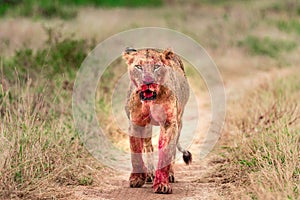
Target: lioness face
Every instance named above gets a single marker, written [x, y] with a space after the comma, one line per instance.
[147, 71]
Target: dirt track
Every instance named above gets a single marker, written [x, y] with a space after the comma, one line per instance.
[187, 186]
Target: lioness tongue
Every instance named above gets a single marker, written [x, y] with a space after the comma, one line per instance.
[148, 93]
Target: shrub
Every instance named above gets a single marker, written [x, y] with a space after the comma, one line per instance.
[267, 46]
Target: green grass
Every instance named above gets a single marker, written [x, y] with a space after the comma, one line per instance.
[65, 9]
[58, 56]
[290, 7]
[33, 8]
[289, 26]
[267, 46]
[86, 180]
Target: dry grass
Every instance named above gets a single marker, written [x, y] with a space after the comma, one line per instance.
[264, 152]
[40, 148]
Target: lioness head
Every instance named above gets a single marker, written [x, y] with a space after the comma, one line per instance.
[147, 70]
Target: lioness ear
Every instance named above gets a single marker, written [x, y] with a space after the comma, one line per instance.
[129, 54]
[167, 55]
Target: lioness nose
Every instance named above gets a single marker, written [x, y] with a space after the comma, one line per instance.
[148, 83]
[148, 79]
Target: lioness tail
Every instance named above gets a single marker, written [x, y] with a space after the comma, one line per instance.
[187, 156]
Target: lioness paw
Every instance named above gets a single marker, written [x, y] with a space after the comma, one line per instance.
[162, 188]
[137, 180]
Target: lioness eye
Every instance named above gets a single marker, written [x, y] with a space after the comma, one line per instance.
[139, 67]
[156, 67]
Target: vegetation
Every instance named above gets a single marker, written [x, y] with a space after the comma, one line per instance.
[290, 26]
[64, 9]
[291, 7]
[266, 159]
[39, 144]
[59, 56]
[267, 46]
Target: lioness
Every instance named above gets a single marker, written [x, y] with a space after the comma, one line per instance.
[157, 94]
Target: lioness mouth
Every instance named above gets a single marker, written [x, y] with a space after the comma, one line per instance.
[148, 92]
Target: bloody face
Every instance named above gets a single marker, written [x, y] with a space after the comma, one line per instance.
[148, 91]
[147, 72]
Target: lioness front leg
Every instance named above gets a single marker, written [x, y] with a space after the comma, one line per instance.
[139, 172]
[148, 149]
[171, 172]
[167, 148]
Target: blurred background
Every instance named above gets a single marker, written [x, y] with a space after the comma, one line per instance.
[246, 34]
[43, 43]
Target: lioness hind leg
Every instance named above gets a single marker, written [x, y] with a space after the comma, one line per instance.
[148, 149]
[171, 172]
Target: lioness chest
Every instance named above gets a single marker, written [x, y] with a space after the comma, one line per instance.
[155, 112]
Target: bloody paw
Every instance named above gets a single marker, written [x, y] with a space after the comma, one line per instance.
[162, 188]
[137, 180]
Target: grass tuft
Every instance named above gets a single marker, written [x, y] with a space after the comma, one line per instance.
[59, 56]
[289, 26]
[290, 7]
[267, 46]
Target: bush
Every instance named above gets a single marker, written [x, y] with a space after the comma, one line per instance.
[267, 46]
[59, 56]
[289, 26]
